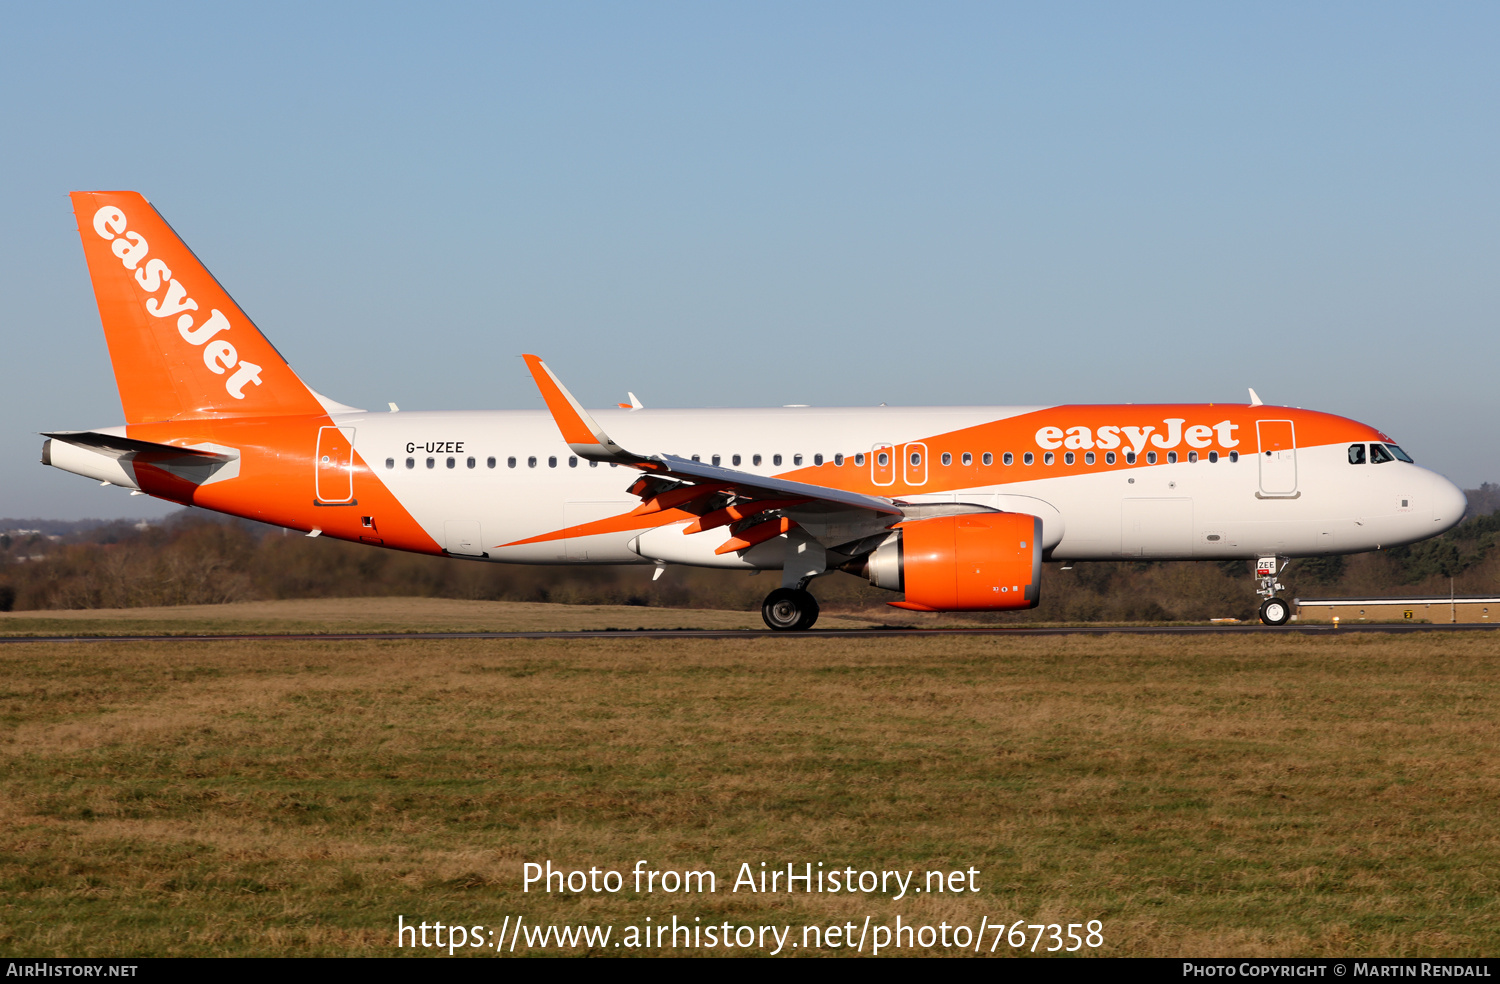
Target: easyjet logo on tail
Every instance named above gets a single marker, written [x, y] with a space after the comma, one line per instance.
[1174, 434]
[219, 355]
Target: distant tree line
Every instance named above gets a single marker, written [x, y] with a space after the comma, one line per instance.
[201, 558]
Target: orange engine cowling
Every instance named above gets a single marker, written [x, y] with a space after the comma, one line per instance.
[978, 562]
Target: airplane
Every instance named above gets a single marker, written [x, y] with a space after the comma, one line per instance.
[955, 508]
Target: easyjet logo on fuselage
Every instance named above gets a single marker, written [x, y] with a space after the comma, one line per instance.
[219, 355]
[1172, 435]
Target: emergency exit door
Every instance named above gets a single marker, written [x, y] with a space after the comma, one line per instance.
[333, 475]
[1278, 457]
[883, 464]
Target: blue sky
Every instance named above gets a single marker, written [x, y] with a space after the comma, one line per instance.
[778, 203]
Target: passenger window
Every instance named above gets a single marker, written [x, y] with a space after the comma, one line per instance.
[411, 462]
[715, 460]
[1069, 458]
[390, 462]
[1356, 454]
[552, 461]
[882, 459]
[1129, 457]
[572, 461]
[1028, 458]
[817, 459]
[531, 462]
[593, 464]
[1213, 457]
[451, 462]
[696, 458]
[735, 461]
[1150, 457]
[490, 462]
[916, 458]
[471, 462]
[1379, 455]
[510, 462]
[776, 459]
[796, 459]
[1192, 457]
[947, 458]
[1171, 457]
[431, 463]
[859, 460]
[1088, 458]
[968, 458]
[838, 461]
[1009, 458]
[1109, 457]
[1233, 457]
[755, 461]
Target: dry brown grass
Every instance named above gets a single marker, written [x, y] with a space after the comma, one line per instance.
[313, 615]
[1246, 796]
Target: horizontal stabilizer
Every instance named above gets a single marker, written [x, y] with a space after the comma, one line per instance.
[117, 446]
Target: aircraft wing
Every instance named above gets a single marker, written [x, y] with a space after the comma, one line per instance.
[756, 505]
[765, 487]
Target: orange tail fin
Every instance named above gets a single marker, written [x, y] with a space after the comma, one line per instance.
[181, 347]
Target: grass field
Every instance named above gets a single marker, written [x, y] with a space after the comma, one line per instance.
[1199, 796]
[388, 615]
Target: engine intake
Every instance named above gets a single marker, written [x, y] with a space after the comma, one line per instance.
[979, 562]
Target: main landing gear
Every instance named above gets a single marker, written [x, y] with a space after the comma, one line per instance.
[790, 610]
[1274, 610]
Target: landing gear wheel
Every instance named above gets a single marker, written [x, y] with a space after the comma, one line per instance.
[1274, 611]
[789, 610]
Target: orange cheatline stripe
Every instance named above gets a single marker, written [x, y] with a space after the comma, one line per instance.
[756, 534]
[615, 524]
[574, 430]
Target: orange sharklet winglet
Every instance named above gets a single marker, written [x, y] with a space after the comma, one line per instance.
[581, 432]
[759, 533]
[567, 414]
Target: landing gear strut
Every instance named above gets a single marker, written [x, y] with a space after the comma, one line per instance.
[1274, 610]
[790, 610]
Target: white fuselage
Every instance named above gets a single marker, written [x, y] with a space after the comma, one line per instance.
[1197, 510]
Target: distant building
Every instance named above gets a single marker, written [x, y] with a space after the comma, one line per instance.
[1456, 609]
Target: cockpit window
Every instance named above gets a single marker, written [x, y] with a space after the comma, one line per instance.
[1400, 454]
[1379, 455]
[1356, 454]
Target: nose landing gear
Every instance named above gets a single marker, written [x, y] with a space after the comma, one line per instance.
[790, 610]
[1274, 610]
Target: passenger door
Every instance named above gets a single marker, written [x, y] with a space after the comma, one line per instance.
[1278, 458]
[333, 472]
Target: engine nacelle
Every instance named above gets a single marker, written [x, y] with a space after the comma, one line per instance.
[978, 562]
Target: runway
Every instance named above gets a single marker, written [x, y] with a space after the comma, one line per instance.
[692, 634]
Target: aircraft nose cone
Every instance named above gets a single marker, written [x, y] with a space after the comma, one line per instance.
[1448, 505]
